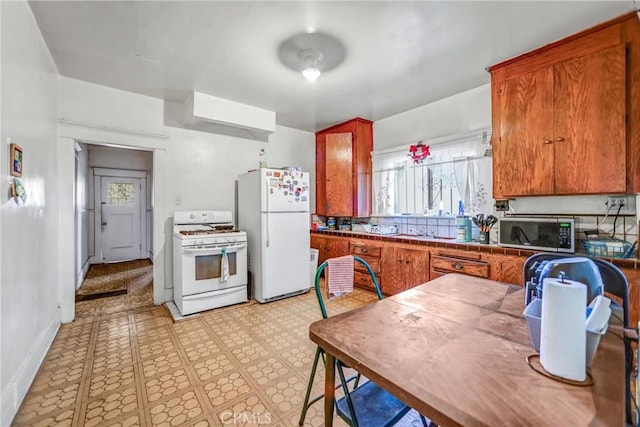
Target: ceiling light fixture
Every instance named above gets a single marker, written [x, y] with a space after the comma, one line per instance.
[311, 54]
[311, 58]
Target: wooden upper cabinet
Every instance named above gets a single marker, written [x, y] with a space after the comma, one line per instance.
[343, 169]
[523, 158]
[589, 123]
[560, 116]
[339, 177]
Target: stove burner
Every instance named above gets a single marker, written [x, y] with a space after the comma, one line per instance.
[214, 231]
[224, 227]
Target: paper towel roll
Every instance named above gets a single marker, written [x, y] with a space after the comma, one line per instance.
[563, 337]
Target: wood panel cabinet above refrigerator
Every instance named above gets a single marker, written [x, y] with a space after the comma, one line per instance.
[343, 169]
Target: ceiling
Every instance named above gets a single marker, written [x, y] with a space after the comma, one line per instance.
[398, 55]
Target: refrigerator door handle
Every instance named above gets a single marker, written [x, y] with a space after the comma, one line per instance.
[266, 195]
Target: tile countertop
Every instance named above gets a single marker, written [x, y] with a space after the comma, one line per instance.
[452, 244]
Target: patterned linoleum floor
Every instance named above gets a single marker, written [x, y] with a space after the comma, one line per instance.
[124, 362]
[103, 278]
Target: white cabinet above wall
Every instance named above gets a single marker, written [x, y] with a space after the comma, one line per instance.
[216, 115]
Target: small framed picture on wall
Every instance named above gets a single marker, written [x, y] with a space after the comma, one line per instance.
[15, 160]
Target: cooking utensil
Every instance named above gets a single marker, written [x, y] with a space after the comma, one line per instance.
[490, 221]
[484, 224]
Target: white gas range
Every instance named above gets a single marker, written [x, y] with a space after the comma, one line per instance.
[209, 261]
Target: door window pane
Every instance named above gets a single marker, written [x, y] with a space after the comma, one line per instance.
[120, 193]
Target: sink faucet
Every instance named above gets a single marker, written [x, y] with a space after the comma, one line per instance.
[423, 232]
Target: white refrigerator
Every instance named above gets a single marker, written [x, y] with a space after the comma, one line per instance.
[273, 208]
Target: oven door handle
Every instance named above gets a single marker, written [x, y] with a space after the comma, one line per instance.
[214, 251]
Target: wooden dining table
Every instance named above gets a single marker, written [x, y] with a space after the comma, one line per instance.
[455, 350]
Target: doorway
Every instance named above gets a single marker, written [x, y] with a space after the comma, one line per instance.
[113, 204]
[76, 209]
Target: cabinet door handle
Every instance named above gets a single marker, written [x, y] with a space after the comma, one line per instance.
[406, 262]
[547, 141]
[559, 139]
[364, 250]
[400, 261]
[457, 266]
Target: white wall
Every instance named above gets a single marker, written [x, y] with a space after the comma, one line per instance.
[192, 170]
[29, 304]
[84, 214]
[462, 112]
[120, 158]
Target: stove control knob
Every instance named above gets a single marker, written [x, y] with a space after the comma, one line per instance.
[192, 216]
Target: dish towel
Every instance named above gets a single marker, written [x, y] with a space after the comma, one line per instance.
[224, 273]
[340, 278]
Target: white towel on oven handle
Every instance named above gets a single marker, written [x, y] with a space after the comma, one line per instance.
[224, 274]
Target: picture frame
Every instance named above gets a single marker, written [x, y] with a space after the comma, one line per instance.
[18, 192]
[15, 160]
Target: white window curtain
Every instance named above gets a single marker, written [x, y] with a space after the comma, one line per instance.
[458, 169]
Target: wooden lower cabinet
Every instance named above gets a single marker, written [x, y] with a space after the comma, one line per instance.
[363, 280]
[370, 253]
[445, 261]
[506, 268]
[329, 247]
[633, 277]
[441, 265]
[502, 268]
[403, 268]
[399, 267]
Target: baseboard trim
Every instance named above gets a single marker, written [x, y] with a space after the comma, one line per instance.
[168, 295]
[21, 380]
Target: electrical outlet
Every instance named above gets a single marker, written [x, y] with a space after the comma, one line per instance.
[502, 205]
[616, 201]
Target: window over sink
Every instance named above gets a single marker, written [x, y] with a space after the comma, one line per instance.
[458, 169]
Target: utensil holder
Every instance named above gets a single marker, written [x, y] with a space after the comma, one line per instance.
[483, 237]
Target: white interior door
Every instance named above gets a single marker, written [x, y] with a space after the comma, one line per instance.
[121, 222]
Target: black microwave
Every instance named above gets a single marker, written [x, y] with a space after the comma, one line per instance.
[543, 234]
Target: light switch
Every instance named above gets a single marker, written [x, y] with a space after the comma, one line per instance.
[178, 201]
